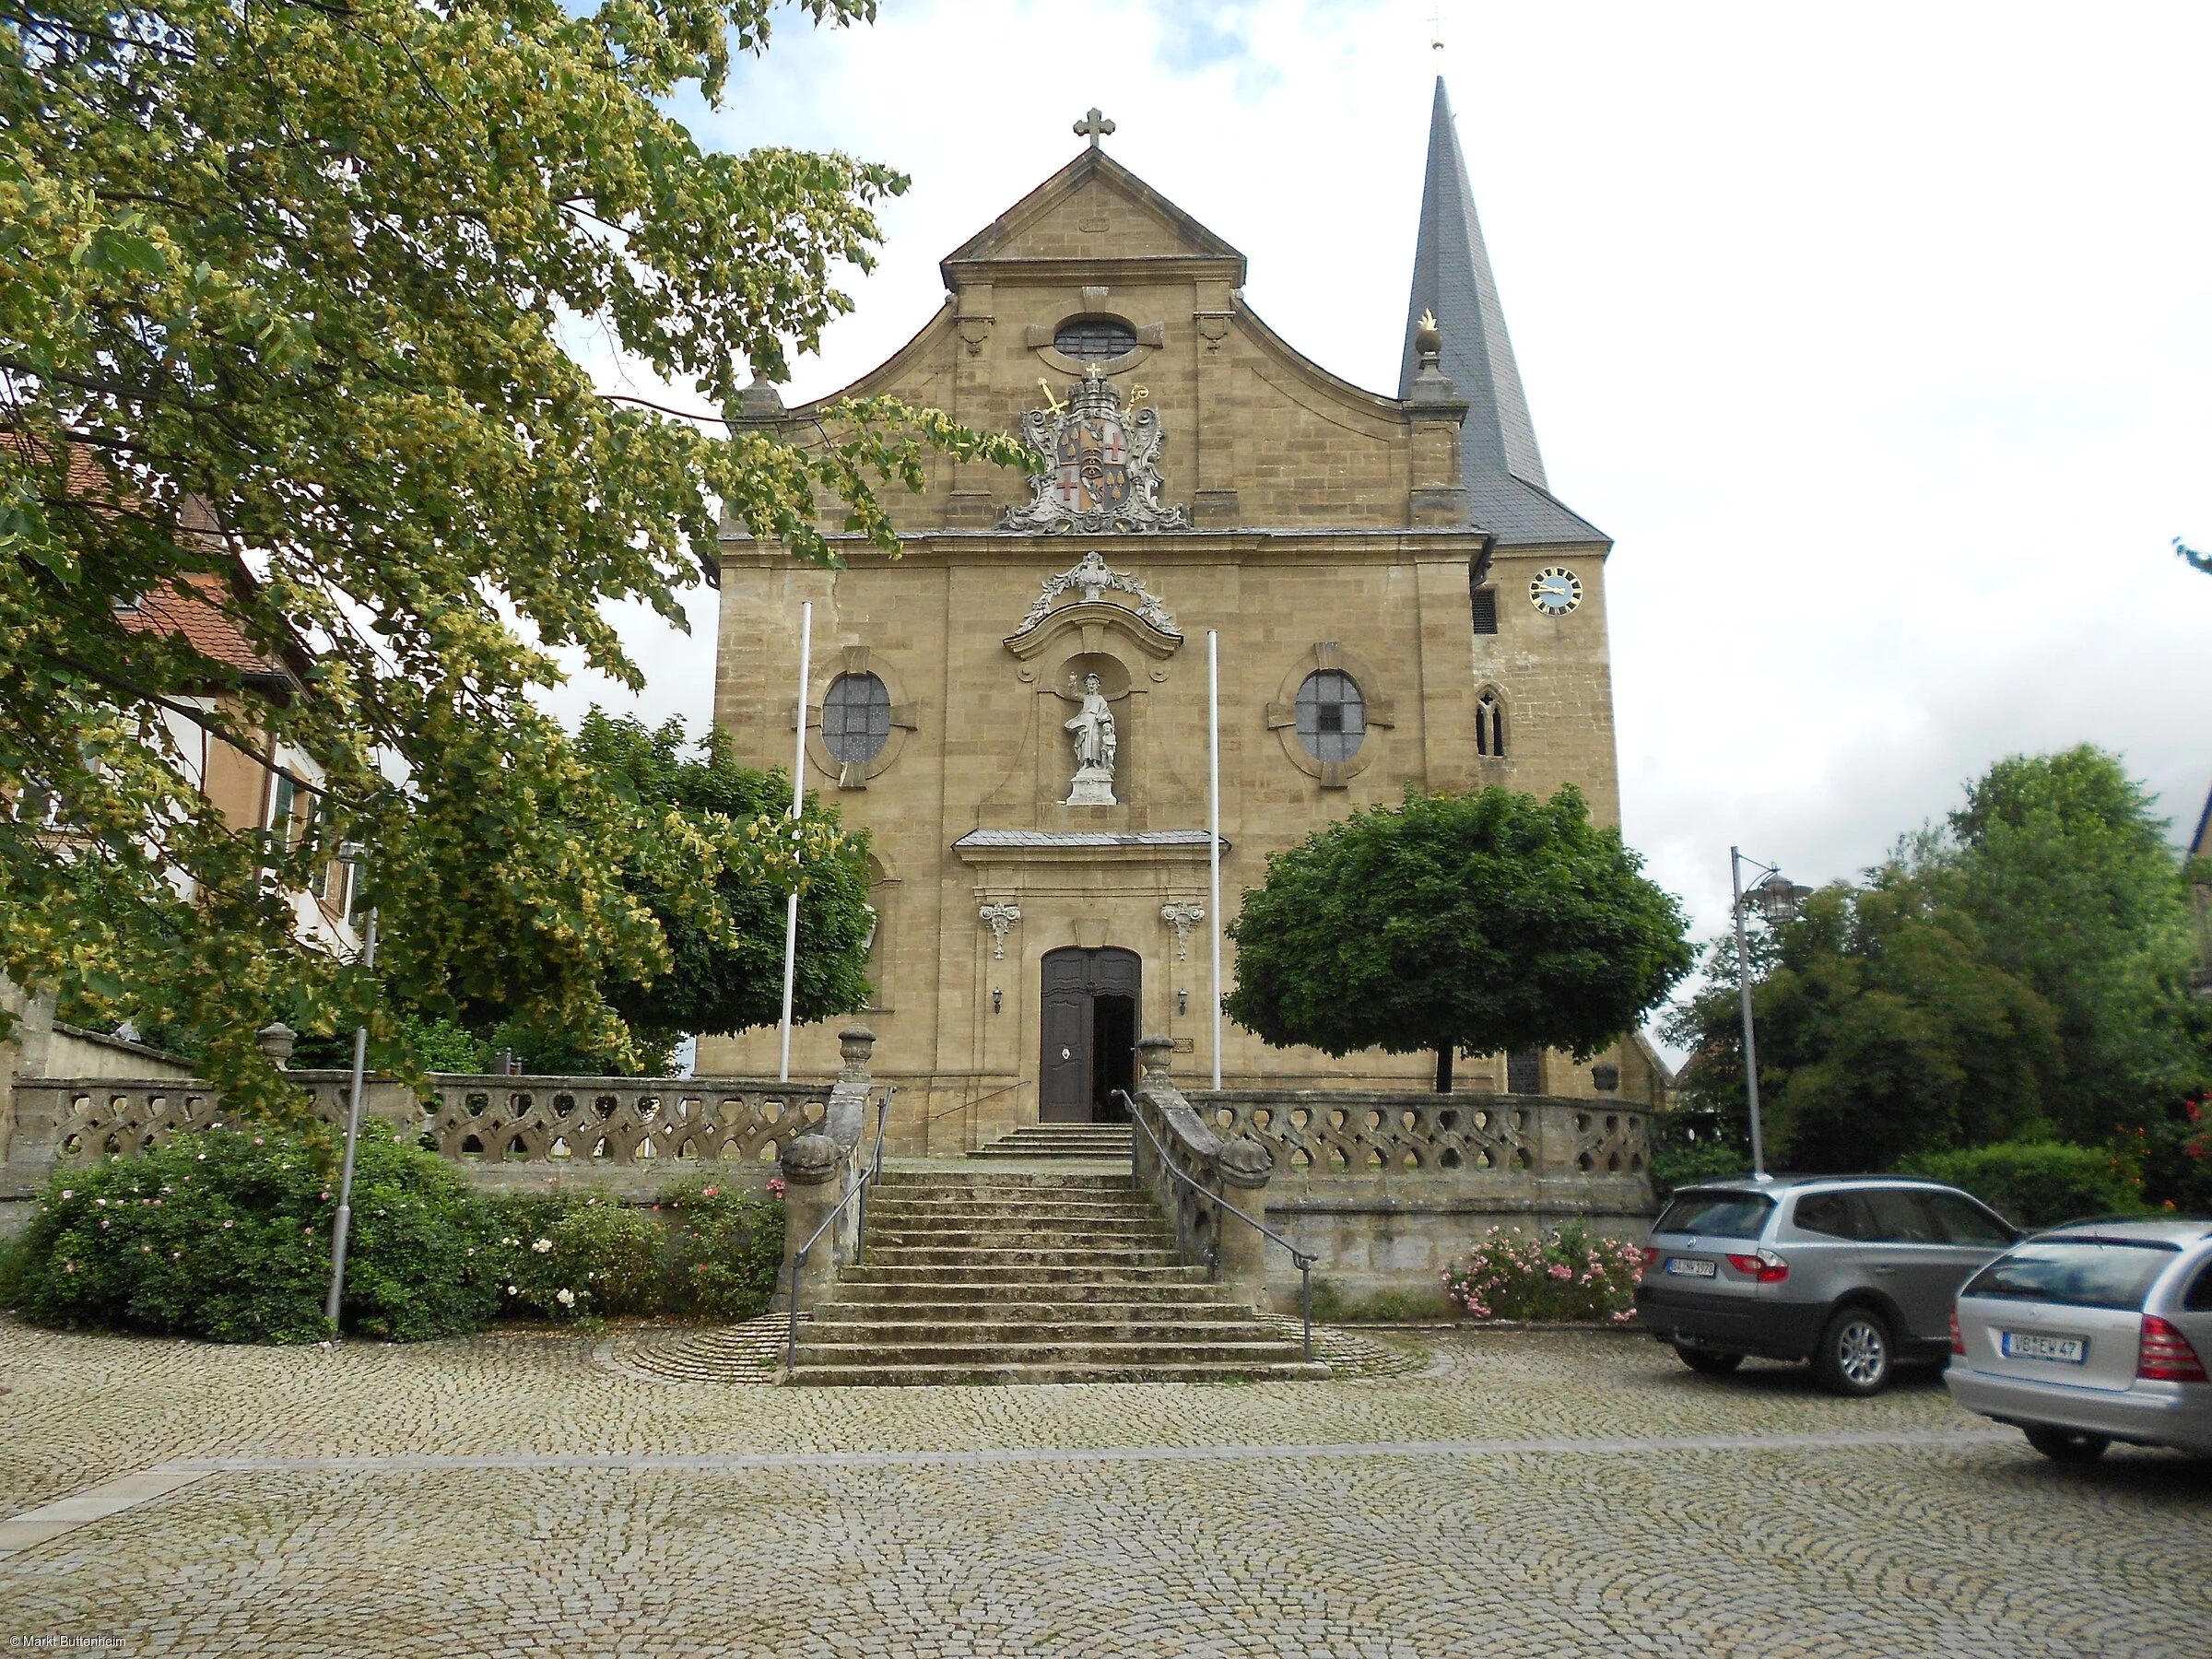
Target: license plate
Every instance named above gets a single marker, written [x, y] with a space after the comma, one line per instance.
[1694, 1269]
[2034, 1345]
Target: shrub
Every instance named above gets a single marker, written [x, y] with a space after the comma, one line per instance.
[225, 1234]
[723, 1252]
[2177, 1159]
[1563, 1275]
[2036, 1183]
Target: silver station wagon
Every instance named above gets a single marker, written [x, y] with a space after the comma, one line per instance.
[1853, 1273]
[2090, 1334]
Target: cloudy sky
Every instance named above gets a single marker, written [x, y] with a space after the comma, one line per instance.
[1878, 336]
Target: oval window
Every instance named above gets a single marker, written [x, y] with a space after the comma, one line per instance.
[856, 719]
[1093, 337]
[1332, 715]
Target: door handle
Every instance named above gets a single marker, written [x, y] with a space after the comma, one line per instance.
[1885, 1268]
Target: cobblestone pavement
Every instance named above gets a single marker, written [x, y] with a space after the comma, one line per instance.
[1515, 1494]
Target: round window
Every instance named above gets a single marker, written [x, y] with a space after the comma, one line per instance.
[1092, 337]
[856, 719]
[1332, 715]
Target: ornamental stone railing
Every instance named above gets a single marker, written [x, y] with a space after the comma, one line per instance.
[507, 1130]
[1325, 1132]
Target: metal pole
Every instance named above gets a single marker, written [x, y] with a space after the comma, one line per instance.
[1213, 759]
[344, 1224]
[1743, 985]
[798, 794]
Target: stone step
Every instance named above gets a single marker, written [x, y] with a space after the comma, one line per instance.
[998, 1313]
[986, 1236]
[999, 1275]
[1003, 1372]
[1010, 1181]
[855, 1288]
[986, 1335]
[956, 1205]
[1268, 1351]
[968, 1258]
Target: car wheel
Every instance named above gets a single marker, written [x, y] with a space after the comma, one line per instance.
[1856, 1354]
[2066, 1445]
[1707, 1359]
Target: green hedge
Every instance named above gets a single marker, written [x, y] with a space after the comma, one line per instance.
[225, 1235]
[2037, 1183]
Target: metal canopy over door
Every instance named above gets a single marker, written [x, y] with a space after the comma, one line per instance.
[1089, 1033]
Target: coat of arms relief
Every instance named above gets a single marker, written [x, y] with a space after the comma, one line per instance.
[1101, 466]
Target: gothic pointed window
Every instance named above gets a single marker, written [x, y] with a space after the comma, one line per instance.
[1089, 338]
[1332, 715]
[1489, 727]
[856, 719]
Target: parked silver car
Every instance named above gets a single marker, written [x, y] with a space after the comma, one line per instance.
[1853, 1273]
[2089, 1333]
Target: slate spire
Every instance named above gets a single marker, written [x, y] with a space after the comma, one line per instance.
[1499, 460]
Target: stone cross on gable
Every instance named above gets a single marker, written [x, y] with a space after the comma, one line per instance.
[1094, 126]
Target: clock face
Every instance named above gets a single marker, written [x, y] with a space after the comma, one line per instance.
[1556, 591]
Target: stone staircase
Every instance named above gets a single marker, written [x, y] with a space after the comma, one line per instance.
[1028, 1276]
[1062, 1140]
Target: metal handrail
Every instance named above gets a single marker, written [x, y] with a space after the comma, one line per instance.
[1299, 1258]
[860, 1188]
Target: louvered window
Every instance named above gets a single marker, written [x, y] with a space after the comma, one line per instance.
[1485, 610]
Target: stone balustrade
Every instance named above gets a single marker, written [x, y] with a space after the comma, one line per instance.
[1387, 1189]
[1316, 1132]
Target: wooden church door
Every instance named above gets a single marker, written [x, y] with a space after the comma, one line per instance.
[1089, 1005]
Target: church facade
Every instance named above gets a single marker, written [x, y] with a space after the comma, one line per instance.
[1016, 708]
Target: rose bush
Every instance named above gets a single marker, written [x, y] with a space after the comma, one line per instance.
[1566, 1275]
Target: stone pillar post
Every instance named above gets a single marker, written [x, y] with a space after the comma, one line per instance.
[813, 1166]
[1152, 1055]
[1243, 1168]
[846, 1121]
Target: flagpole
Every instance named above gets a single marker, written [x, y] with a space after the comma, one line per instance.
[798, 794]
[1213, 753]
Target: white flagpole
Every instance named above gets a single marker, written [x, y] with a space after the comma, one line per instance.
[798, 794]
[1213, 753]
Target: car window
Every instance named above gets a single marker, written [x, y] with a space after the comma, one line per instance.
[2082, 1273]
[1721, 1215]
[1963, 1221]
[2199, 1300]
[1895, 1217]
[1830, 1212]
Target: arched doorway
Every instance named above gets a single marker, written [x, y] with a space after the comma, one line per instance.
[1089, 1031]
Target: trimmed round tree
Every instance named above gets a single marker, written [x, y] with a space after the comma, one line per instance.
[1478, 923]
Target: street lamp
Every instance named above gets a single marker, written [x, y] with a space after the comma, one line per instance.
[355, 855]
[1777, 898]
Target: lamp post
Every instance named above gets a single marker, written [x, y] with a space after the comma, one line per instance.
[354, 855]
[1777, 898]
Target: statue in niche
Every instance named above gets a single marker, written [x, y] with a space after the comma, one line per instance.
[1091, 727]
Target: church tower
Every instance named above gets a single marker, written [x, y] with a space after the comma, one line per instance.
[1015, 708]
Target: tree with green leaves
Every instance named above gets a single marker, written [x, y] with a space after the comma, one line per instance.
[2022, 972]
[283, 294]
[727, 971]
[1476, 923]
